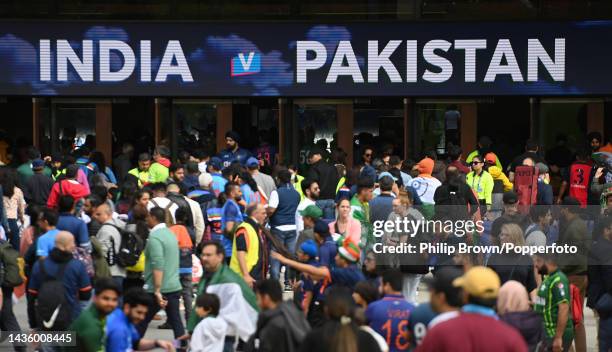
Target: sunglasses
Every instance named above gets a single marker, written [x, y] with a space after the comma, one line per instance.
[368, 155]
[477, 162]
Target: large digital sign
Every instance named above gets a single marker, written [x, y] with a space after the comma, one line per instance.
[305, 59]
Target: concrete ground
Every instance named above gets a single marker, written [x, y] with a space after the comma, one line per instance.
[154, 333]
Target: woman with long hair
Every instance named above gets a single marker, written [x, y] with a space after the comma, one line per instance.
[413, 266]
[345, 225]
[341, 332]
[512, 266]
[98, 158]
[14, 204]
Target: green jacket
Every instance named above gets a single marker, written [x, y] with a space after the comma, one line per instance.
[90, 330]
[482, 185]
[361, 212]
[159, 173]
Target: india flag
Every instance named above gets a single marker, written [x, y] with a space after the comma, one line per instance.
[238, 303]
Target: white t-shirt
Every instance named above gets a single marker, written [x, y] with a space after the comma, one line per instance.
[273, 203]
[163, 202]
[299, 222]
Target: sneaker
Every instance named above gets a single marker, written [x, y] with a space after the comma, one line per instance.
[288, 287]
[165, 326]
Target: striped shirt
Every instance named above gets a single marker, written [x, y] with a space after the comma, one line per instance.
[554, 290]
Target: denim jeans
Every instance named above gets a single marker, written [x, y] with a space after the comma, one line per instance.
[172, 311]
[328, 206]
[288, 238]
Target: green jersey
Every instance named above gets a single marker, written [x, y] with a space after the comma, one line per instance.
[555, 289]
[90, 331]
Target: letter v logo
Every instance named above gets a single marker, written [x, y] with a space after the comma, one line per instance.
[242, 65]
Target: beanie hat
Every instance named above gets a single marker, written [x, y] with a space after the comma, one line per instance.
[233, 135]
[349, 251]
[426, 166]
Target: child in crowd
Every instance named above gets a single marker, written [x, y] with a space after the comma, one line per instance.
[209, 334]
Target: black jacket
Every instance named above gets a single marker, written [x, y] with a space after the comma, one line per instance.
[180, 201]
[282, 329]
[599, 271]
[326, 176]
[528, 323]
[514, 267]
[37, 189]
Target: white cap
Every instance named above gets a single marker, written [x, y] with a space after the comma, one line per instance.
[205, 179]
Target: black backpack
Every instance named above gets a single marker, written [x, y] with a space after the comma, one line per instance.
[52, 309]
[130, 249]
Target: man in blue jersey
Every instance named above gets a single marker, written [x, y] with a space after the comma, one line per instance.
[389, 315]
[233, 151]
[445, 302]
[121, 333]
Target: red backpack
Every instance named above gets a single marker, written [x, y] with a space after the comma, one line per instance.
[576, 304]
[579, 176]
[526, 186]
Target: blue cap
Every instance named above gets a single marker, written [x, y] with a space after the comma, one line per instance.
[252, 162]
[386, 173]
[369, 173]
[216, 163]
[38, 164]
[309, 247]
[321, 228]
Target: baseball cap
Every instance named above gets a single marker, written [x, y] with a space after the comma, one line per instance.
[38, 164]
[312, 211]
[442, 281]
[349, 251]
[205, 179]
[386, 173]
[321, 228]
[216, 163]
[252, 162]
[490, 158]
[542, 168]
[510, 197]
[480, 282]
[309, 247]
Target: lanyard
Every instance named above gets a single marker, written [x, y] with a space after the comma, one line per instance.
[479, 180]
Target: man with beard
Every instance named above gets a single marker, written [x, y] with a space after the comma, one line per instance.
[233, 151]
[238, 303]
[90, 326]
[231, 214]
[553, 303]
[121, 331]
[311, 194]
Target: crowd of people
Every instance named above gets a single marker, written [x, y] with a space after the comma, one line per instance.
[219, 242]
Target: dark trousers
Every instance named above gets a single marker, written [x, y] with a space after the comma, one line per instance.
[605, 334]
[12, 233]
[8, 321]
[172, 310]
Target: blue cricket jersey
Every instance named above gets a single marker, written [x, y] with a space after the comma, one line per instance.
[389, 317]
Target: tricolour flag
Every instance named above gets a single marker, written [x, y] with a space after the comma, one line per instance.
[238, 303]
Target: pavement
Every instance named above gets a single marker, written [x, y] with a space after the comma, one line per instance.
[423, 296]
